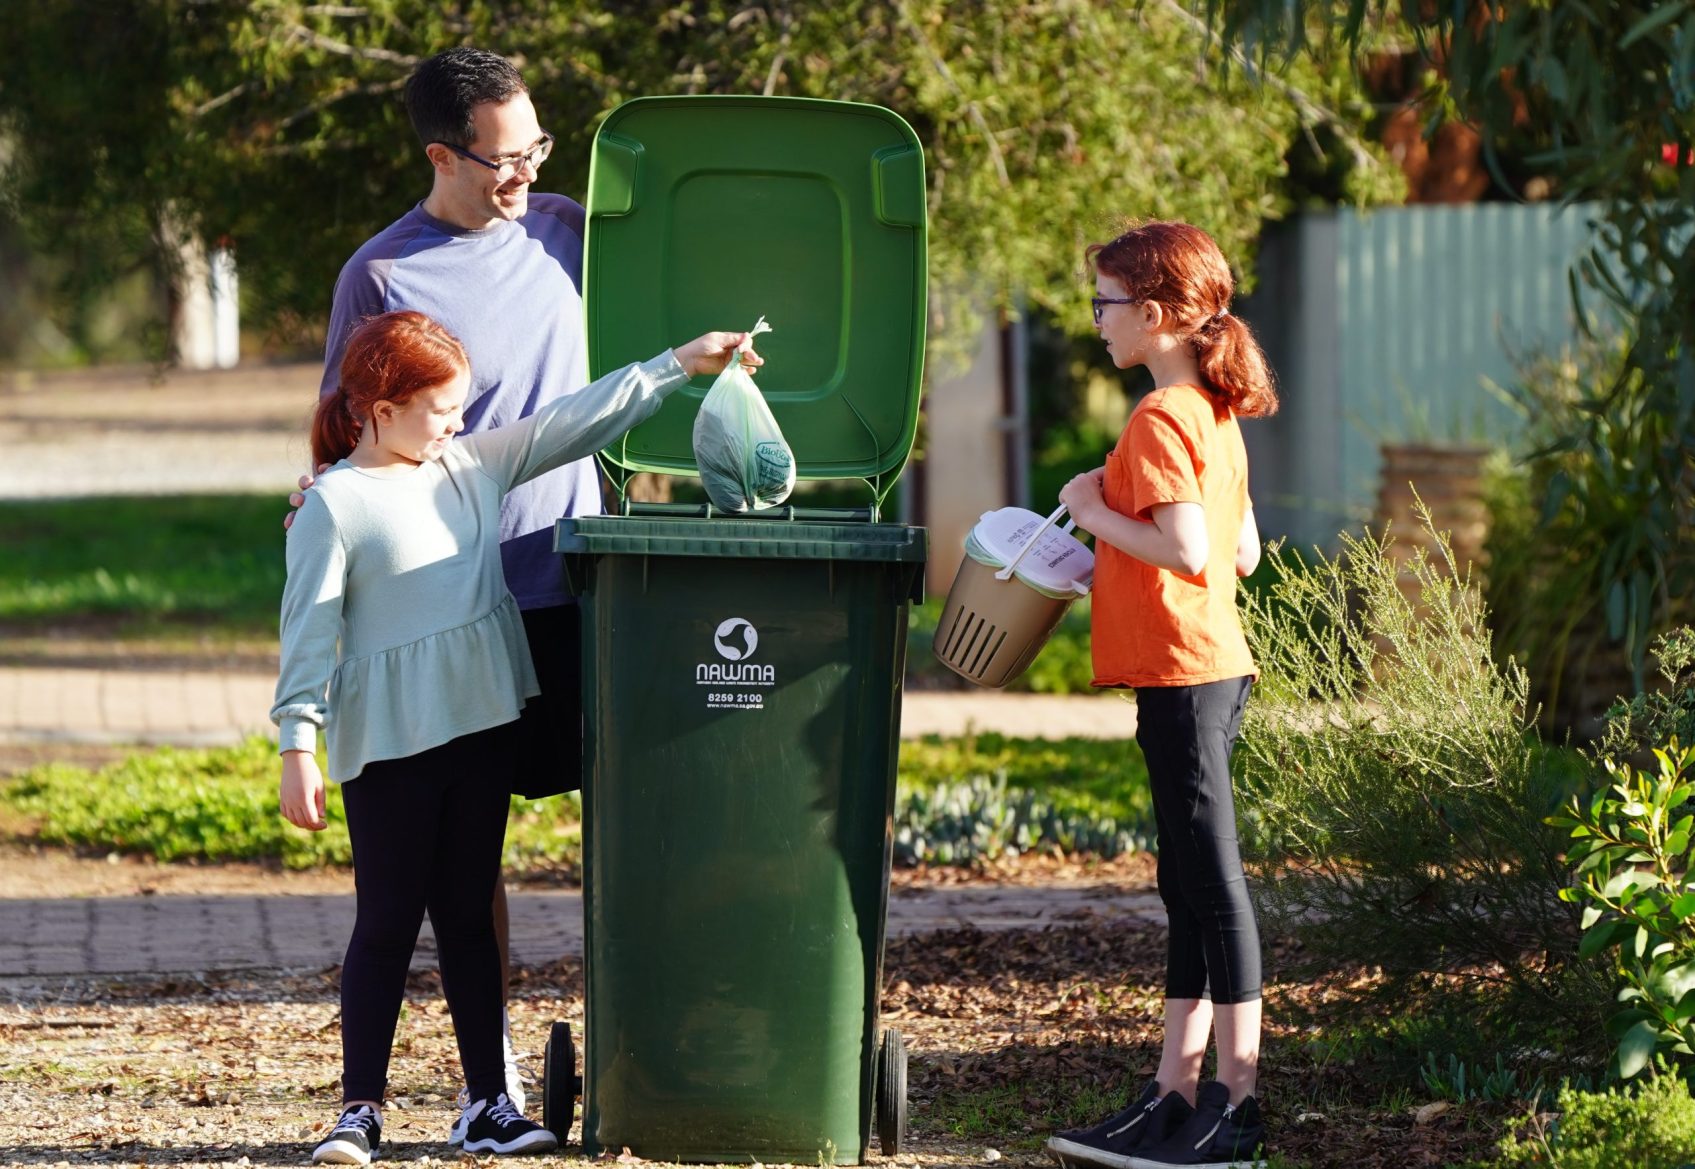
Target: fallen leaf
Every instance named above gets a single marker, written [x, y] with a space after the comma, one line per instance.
[1430, 1112]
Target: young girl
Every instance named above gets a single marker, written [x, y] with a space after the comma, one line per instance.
[400, 639]
[1174, 529]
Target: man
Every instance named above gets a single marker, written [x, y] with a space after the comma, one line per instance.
[501, 268]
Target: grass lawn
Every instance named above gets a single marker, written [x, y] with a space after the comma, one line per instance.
[220, 803]
[143, 566]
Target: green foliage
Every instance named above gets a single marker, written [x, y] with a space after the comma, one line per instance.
[1630, 855]
[1038, 117]
[215, 561]
[1602, 96]
[220, 804]
[1459, 1081]
[982, 818]
[1663, 713]
[1393, 799]
[1651, 1127]
[172, 805]
[1590, 554]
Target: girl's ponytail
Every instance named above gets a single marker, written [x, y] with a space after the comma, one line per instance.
[1233, 366]
[334, 431]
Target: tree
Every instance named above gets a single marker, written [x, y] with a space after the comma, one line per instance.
[277, 123]
[1602, 94]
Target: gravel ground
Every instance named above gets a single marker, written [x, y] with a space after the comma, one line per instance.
[129, 432]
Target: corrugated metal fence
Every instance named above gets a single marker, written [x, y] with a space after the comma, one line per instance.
[1384, 326]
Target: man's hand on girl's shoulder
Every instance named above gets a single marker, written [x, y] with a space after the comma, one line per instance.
[296, 498]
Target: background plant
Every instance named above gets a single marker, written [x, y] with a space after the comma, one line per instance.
[1650, 1126]
[1600, 98]
[238, 120]
[1393, 797]
[1590, 554]
[1630, 853]
[1661, 713]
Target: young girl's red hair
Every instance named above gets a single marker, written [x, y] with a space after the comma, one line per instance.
[1181, 268]
[389, 358]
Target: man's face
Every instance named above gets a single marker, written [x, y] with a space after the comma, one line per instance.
[475, 195]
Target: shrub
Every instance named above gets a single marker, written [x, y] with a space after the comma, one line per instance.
[1394, 800]
[1589, 550]
[1652, 1128]
[1658, 715]
[1630, 850]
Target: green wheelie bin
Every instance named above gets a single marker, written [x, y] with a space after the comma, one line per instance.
[742, 674]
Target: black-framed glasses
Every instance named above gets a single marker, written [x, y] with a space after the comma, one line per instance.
[507, 165]
[1099, 303]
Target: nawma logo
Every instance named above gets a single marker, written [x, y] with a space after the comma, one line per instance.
[736, 639]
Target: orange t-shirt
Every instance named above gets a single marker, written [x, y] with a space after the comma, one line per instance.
[1152, 626]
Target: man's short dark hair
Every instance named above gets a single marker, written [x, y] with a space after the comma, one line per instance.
[442, 92]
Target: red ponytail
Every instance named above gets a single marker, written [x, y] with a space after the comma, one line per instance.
[388, 358]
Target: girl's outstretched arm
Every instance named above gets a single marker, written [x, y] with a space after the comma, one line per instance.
[577, 425]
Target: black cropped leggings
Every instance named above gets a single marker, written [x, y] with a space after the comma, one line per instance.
[1186, 734]
[427, 831]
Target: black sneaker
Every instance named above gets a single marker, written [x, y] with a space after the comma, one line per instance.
[353, 1140]
[498, 1127]
[1217, 1135]
[1109, 1144]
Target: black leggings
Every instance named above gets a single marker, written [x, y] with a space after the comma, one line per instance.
[1186, 734]
[427, 832]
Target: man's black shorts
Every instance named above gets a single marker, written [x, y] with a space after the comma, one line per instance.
[550, 730]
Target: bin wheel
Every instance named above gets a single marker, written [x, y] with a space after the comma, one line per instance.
[891, 1094]
[559, 1081]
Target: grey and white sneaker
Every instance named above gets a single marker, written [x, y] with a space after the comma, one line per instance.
[495, 1126]
[354, 1139]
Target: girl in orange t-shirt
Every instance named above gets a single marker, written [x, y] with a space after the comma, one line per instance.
[1174, 529]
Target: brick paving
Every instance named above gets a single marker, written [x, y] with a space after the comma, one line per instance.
[189, 707]
[52, 937]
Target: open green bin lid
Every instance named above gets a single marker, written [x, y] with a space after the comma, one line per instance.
[708, 212]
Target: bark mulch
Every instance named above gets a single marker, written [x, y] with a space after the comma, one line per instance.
[1010, 1035]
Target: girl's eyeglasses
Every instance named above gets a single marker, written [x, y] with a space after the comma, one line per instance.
[1099, 303]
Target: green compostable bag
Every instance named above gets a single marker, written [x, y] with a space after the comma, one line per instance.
[744, 462]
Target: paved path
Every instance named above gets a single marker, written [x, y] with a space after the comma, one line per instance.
[210, 707]
[197, 934]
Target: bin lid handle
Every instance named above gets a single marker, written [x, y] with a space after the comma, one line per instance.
[1006, 573]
